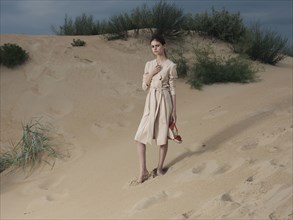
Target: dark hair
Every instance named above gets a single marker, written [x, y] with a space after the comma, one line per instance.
[160, 39]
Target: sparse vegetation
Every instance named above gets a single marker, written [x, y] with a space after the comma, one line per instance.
[12, 55]
[176, 55]
[34, 147]
[222, 25]
[82, 25]
[168, 20]
[289, 51]
[265, 46]
[163, 18]
[78, 43]
[210, 68]
[118, 27]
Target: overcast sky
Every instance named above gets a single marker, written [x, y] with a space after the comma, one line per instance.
[37, 16]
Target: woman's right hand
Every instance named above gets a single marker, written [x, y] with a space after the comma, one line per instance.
[151, 74]
[156, 69]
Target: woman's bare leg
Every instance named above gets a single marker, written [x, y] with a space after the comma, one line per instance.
[141, 153]
[162, 155]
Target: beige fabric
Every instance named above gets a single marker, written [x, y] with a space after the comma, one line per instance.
[158, 105]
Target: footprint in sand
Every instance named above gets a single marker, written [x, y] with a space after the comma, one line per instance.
[50, 183]
[222, 206]
[68, 50]
[103, 129]
[126, 108]
[185, 215]
[150, 201]
[42, 186]
[222, 169]
[44, 200]
[199, 168]
[249, 145]
[215, 112]
[34, 73]
[105, 75]
[57, 76]
[209, 168]
[99, 129]
[45, 192]
[56, 196]
[83, 60]
[271, 137]
[59, 107]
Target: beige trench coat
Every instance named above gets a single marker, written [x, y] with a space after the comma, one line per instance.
[158, 105]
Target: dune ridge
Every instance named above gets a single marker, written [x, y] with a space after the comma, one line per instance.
[235, 161]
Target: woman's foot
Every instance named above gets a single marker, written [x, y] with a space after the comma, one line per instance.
[160, 172]
[143, 177]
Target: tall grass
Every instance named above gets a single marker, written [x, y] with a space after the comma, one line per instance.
[140, 17]
[34, 147]
[289, 51]
[82, 25]
[118, 27]
[222, 25]
[167, 20]
[209, 68]
[264, 45]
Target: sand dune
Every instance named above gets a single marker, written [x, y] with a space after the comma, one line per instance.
[235, 161]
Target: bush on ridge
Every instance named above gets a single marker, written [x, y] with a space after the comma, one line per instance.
[263, 45]
[222, 25]
[208, 68]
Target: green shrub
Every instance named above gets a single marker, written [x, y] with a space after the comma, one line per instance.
[219, 24]
[118, 27]
[140, 18]
[78, 43]
[12, 55]
[176, 55]
[289, 51]
[210, 68]
[66, 29]
[167, 20]
[100, 27]
[265, 46]
[163, 18]
[82, 25]
[35, 146]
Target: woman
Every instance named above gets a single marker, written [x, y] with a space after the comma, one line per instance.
[160, 106]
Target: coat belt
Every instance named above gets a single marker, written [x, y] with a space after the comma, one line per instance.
[154, 108]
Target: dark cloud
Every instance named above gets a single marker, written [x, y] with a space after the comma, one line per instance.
[37, 16]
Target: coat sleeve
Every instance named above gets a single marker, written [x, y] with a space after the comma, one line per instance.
[145, 87]
[172, 76]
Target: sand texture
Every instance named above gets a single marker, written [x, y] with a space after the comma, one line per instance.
[235, 161]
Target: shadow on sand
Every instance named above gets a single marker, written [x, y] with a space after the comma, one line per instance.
[216, 140]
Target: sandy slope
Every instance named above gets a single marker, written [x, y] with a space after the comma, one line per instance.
[235, 162]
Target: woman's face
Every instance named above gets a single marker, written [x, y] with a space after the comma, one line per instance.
[157, 47]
